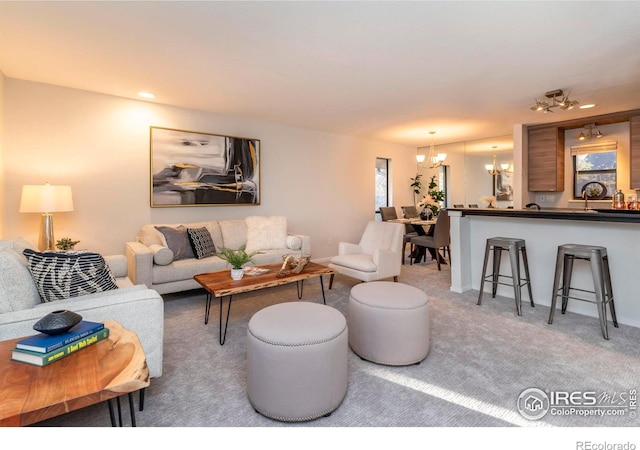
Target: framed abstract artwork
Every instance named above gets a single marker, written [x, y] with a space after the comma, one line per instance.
[202, 169]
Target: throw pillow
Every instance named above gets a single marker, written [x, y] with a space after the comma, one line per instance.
[178, 241]
[266, 233]
[162, 255]
[61, 275]
[201, 242]
[234, 233]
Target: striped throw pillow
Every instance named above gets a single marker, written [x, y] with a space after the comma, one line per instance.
[60, 275]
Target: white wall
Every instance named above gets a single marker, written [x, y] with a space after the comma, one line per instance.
[2, 183]
[323, 183]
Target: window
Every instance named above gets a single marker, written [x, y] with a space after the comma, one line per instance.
[382, 183]
[442, 183]
[594, 163]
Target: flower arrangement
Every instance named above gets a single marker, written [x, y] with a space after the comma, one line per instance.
[491, 201]
[433, 199]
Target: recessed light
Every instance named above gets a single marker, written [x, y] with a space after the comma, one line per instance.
[587, 106]
[146, 95]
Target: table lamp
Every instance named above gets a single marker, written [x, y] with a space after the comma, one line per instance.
[46, 199]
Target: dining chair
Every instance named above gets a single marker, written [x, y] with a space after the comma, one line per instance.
[439, 240]
[388, 213]
[409, 212]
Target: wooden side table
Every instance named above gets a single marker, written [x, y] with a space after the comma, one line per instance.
[107, 369]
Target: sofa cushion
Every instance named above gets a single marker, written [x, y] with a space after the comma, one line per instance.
[201, 242]
[177, 240]
[17, 289]
[234, 233]
[61, 275]
[266, 233]
[161, 255]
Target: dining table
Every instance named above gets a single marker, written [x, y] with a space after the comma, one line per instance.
[423, 228]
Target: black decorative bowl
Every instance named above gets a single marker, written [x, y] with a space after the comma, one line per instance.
[57, 322]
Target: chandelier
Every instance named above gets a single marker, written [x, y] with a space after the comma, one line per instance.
[557, 99]
[494, 169]
[434, 159]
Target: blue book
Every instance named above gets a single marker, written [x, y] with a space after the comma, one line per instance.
[43, 359]
[43, 343]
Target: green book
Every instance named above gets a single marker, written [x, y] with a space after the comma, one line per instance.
[43, 359]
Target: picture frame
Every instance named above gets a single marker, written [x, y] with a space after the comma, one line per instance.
[503, 186]
[190, 168]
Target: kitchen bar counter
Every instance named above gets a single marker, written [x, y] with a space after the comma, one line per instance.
[544, 230]
[592, 215]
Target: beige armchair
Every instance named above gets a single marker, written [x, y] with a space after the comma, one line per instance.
[375, 257]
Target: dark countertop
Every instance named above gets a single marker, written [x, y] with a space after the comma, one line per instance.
[592, 215]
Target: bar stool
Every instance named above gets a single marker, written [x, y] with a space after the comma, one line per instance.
[514, 247]
[599, 261]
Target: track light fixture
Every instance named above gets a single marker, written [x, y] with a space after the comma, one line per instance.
[557, 99]
[590, 133]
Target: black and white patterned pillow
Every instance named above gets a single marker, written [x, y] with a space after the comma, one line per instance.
[60, 275]
[201, 242]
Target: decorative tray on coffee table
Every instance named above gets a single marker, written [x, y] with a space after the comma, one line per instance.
[253, 271]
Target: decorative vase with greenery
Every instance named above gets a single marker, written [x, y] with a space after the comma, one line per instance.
[237, 259]
[434, 198]
[65, 244]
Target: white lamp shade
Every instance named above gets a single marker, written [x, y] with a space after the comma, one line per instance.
[420, 158]
[45, 198]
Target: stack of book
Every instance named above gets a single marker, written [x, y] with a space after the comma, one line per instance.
[43, 349]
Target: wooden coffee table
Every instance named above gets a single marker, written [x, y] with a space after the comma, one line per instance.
[220, 284]
[103, 371]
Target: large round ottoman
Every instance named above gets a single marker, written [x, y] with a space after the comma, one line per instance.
[389, 323]
[297, 361]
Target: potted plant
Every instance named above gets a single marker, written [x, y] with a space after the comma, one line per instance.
[416, 185]
[65, 244]
[237, 259]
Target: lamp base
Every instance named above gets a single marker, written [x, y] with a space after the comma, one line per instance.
[46, 240]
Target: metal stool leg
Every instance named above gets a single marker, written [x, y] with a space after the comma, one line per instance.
[598, 285]
[556, 283]
[497, 256]
[514, 257]
[566, 281]
[526, 272]
[484, 271]
[607, 280]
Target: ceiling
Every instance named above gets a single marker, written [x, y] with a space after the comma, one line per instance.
[389, 71]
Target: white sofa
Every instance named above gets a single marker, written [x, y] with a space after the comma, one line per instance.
[149, 264]
[137, 308]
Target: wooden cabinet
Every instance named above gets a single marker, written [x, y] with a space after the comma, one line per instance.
[545, 156]
[634, 126]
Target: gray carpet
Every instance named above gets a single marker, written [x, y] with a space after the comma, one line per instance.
[481, 358]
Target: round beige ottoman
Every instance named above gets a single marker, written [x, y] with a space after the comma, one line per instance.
[389, 323]
[297, 361]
